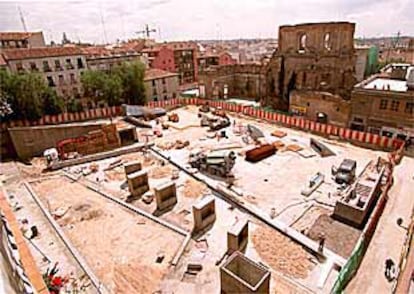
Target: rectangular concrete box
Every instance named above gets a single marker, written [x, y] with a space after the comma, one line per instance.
[165, 195]
[239, 274]
[237, 237]
[138, 183]
[204, 213]
[132, 167]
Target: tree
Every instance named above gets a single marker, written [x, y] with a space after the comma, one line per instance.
[74, 106]
[102, 87]
[29, 96]
[125, 83]
[132, 77]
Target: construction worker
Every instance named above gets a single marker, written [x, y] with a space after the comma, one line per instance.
[321, 242]
[389, 267]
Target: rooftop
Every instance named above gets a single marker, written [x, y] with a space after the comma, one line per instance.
[10, 36]
[41, 52]
[387, 84]
[155, 73]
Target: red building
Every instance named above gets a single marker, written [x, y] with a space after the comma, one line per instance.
[178, 57]
[209, 58]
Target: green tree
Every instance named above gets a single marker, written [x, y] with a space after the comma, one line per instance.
[132, 77]
[29, 96]
[74, 106]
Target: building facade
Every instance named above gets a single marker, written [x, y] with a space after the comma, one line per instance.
[61, 67]
[178, 57]
[314, 57]
[207, 59]
[384, 103]
[160, 85]
[104, 59]
[10, 40]
[237, 80]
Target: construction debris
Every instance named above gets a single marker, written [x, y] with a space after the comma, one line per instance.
[279, 134]
[259, 153]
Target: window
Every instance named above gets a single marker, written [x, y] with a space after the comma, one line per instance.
[383, 104]
[80, 63]
[46, 67]
[57, 65]
[69, 64]
[155, 98]
[154, 91]
[165, 97]
[395, 105]
[302, 43]
[61, 80]
[303, 79]
[409, 107]
[174, 95]
[327, 41]
[19, 66]
[153, 83]
[51, 82]
[72, 78]
[163, 81]
[33, 66]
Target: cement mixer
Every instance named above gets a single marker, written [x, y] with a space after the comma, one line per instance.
[218, 163]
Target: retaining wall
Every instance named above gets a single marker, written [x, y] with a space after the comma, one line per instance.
[23, 274]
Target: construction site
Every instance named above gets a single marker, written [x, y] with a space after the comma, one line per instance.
[199, 198]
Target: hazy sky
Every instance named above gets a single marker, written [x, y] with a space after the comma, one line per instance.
[201, 19]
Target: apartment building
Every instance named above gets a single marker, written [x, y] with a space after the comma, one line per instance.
[9, 40]
[211, 58]
[384, 103]
[104, 58]
[160, 85]
[178, 57]
[61, 67]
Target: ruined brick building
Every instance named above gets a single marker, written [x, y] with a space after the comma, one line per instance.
[313, 63]
[312, 57]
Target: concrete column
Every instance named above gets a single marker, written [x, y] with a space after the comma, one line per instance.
[165, 195]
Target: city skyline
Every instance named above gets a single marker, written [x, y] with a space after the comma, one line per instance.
[105, 22]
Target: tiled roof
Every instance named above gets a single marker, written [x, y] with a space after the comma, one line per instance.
[9, 36]
[101, 51]
[155, 73]
[41, 52]
[172, 46]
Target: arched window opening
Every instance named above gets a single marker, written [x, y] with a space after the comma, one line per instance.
[327, 41]
[302, 43]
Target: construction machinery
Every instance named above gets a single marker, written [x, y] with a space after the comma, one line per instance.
[204, 108]
[219, 112]
[219, 124]
[218, 163]
[345, 173]
[213, 122]
[173, 117]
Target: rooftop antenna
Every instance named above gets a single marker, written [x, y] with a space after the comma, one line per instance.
[22, 19]
[393, 45]
[103, 24]
[146, 32]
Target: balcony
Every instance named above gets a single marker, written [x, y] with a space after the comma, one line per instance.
[47, 69]
[69, 66]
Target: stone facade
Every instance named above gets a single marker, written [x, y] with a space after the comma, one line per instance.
[317, 57]
[238, 80]
[320, 106]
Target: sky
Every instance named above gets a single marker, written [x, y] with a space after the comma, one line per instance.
[107, 21]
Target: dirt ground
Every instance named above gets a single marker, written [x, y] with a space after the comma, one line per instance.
[193, 188]
[117, 244]
[340, 237]
[282, 254]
